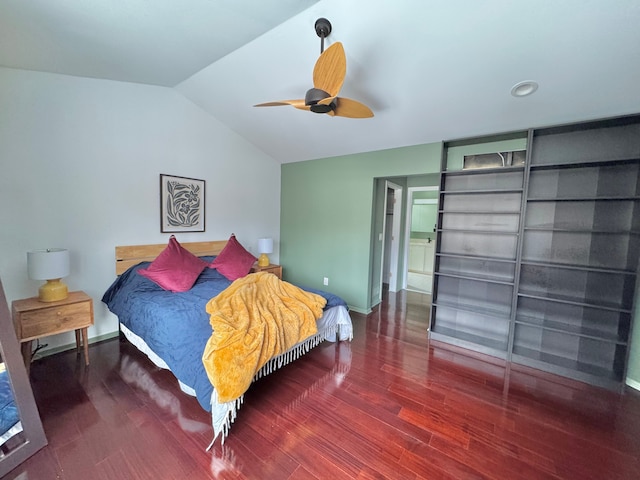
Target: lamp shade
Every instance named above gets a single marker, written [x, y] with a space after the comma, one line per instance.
[265, 245]
[48, 264]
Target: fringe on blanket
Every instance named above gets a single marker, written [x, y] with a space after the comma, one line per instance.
[222, 423]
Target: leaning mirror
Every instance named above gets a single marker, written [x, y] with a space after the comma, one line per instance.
[21, 432]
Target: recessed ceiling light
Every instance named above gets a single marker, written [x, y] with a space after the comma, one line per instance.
[522, 89]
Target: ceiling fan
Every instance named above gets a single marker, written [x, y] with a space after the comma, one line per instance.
[328, 77]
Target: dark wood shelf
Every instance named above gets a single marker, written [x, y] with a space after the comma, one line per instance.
[483, 311]
[584, 268]
[476, 257]
[479, 212]
[563, 327]
[487, 342]
[482, 191]
[482, 232]
[500, 280]
[608, 198]
[582, 230]
[586, 164]
[566, 363]
[550, 297]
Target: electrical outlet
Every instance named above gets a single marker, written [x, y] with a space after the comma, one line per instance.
[326, 281]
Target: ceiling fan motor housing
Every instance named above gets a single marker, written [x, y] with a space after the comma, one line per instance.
[323, 27]
[313, 96]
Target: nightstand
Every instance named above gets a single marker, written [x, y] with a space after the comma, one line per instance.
[33, 319]
[271, 268]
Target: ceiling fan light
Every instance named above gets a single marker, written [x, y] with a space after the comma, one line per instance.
[321, 108]
[522, 89]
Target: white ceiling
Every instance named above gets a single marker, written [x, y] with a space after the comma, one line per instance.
[430, 70]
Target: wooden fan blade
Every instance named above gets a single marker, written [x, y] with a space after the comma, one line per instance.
[330, 69]
[293, 103]
[345, 107]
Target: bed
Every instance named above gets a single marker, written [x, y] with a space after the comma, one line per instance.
[174, 328]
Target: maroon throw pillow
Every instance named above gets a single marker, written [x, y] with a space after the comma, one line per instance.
[234, 261]
[175, 269]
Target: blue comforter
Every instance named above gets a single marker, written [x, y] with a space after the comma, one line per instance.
[174, 325]
[8, 410]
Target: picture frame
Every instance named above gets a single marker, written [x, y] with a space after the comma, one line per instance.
[182, 204]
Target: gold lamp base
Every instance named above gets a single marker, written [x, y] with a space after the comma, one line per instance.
[53, 291]
[263, 260]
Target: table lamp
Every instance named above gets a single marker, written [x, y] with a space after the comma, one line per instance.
[51, 265]
[265, 246]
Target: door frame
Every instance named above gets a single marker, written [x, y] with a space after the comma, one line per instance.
[407, 226]
[379, 243]
[394, 251]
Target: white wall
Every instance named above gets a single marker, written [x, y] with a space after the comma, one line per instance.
[79, 168]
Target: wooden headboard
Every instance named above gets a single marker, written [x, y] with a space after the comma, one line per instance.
[129, 255]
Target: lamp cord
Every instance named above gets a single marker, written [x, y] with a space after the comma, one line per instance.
[38, 347]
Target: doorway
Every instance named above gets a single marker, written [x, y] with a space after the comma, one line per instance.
[392, 224]
[420, 237]
[390, 230]
[385, 239]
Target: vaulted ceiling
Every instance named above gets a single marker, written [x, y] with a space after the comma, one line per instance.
[430, 70]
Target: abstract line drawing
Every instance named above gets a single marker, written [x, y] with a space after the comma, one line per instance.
[181, 204]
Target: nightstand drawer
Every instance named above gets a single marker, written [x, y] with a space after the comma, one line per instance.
[55, 319]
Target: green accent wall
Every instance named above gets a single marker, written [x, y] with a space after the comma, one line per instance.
[423, 220]
[327, 211]
[327, 215]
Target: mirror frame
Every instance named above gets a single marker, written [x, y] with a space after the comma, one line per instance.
[29, 415]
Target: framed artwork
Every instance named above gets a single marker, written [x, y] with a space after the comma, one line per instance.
[181, 204]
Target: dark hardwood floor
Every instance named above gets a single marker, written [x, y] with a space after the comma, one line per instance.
[390, 404]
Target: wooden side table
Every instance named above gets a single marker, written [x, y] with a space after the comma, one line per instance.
[271, 268]
[33, 319]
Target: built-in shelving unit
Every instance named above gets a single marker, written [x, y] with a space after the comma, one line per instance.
[477, 237]
[580, 251]
[537, 264]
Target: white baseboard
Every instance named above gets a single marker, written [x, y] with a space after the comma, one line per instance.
[72, 346]
[633, 384]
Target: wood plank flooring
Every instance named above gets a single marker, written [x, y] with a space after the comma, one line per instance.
[390, 404]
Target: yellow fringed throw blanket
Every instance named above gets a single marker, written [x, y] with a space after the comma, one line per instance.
[254, 319]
